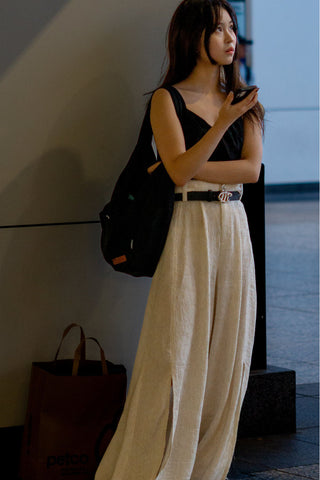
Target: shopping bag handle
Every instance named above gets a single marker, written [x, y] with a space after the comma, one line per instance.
[77, 357]
[82, 337]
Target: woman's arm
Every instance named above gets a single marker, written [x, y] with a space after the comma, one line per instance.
[245, 170]
[181, 164]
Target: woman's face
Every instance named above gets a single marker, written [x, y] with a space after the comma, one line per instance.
[222, 42]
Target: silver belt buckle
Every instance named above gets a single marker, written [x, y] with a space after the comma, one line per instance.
[224, 196]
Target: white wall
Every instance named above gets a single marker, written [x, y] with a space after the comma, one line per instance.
[71, 92]
[286, 68]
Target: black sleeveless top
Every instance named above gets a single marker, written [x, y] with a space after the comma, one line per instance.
[195, 127]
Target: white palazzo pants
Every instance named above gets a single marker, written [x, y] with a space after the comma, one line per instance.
[193, 361]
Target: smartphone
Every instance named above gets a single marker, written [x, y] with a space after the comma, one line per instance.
[242, 93]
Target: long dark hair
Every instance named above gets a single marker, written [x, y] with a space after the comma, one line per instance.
[190, 19]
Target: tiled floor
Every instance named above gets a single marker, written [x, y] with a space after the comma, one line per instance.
[292, 340]
[292, 279]
[287, 457]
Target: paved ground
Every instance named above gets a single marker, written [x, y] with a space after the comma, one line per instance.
[292, 278]
[292, 339]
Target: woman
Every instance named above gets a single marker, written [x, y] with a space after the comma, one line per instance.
[192, 366]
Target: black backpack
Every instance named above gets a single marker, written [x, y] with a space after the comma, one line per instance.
[136, 221]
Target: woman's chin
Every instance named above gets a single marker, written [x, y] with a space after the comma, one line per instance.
[226, 62]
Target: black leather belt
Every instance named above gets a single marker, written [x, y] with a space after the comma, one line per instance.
[210, 196]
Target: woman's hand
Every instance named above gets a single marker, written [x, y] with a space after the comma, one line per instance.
[230, 113]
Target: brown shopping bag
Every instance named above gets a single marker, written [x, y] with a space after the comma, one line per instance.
[73, 410]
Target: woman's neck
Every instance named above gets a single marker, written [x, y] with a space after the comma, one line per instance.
[204, 79]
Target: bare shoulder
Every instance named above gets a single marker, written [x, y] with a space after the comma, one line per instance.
[252, 144]
[252, 127]
[161, 98]
[166, 127]
[162, 106]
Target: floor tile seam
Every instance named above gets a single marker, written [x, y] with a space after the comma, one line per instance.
[281, 200]
[267, 468]
[256, 474]
[274, 267]
[274, 232]
[279, 258]
[292, 340]
[304, 429]
[290, 333]
[272, 330]
[281, 291]
[274, 244]
[285, 252]
[294, 476]
[301, 296]
[313, 383]
[273, 228]
[291, 215]
[273, 302]
[255, 465]
[294, 292]
[315, 444]
[285, 295]
[283, 358]
[276, 222]
[278, 294]
[306, 297]
[299, 395]
[290, 337]
[289, 469]
[292, 277]
[295, 365]
[293, 309]
[286, 470]
[274, 218]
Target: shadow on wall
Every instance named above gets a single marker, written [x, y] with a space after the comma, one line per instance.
[99, 121]
[52, 276]
[87, 146]
[41, 266]
[28, 21]
[48, 191]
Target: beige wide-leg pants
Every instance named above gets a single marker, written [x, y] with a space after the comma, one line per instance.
[192, 366]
